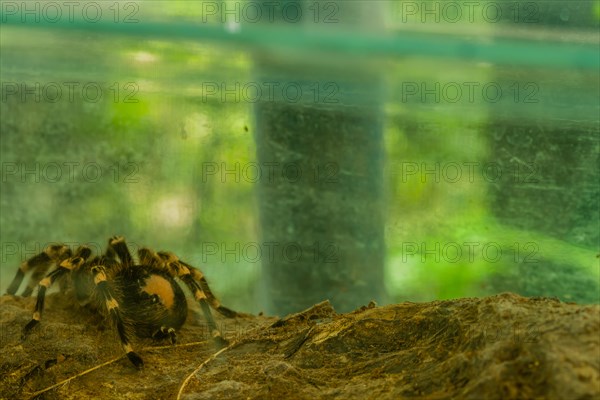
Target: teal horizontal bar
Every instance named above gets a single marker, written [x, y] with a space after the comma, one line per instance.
[493, 50]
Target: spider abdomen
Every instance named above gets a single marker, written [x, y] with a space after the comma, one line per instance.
[151, 300]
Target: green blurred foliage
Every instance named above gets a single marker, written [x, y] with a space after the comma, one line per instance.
[154, 154]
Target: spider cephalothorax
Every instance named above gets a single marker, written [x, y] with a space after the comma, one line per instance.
[144, 298]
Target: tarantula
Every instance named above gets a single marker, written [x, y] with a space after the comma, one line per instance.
[143, 298]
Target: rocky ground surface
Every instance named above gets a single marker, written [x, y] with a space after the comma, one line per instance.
[501, 347]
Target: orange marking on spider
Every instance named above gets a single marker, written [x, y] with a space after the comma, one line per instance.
[199, 295]
[100, 276]
[46, 282]
[111, 303]
[159, 286]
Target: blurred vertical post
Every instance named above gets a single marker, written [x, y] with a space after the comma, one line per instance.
[319, 137]
[544, 138]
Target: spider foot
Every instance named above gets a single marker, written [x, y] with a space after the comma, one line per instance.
[135, 360]
[220, 342]
[165, 332]
[27, 329]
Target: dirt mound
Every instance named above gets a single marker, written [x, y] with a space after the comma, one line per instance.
[499, 347]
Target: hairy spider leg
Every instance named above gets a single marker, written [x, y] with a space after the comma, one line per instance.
[171, 263]
[117, 244]
[165, 332]
[150, 258]
[112, 307]
[200, 297]
[39, 264]
[65, 267]
[198, 277]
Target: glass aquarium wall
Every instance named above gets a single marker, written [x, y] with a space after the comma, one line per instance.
[298, 151]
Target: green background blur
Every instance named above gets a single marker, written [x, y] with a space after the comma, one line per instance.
[483, 193]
